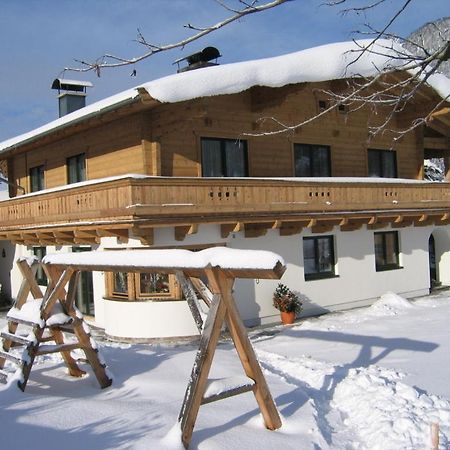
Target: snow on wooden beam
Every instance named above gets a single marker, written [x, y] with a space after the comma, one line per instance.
[234, 262]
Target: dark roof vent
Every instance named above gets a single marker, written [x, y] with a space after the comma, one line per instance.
[73, 96]
[199, 59]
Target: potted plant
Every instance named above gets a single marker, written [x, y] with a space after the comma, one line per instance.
[287, 302]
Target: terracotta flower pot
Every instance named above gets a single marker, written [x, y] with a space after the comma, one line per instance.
[287, 318]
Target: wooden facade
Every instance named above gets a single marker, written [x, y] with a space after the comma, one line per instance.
[164, 140]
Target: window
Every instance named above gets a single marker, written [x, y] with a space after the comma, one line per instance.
[312, 160]
[224, 158]
[120, 284]
[386, 251]
[143, 286]
[76, 168]
[154, 284]
[382, 163]
[322, 105]
[41, 278]
[318, 257]
[37, 179]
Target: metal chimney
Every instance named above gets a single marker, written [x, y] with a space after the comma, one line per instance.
[71, 94]
[199, 59]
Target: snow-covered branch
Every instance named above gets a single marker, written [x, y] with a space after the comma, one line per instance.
[110, 60]
[410, 62]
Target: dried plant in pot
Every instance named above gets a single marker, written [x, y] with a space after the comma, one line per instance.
[287, 302]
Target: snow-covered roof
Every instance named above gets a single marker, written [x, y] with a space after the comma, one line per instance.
[326, 62]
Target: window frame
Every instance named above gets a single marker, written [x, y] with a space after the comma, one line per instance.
[37, 174]
[319, 275]
[174, 289]
[310, 149]
[223, 159]
[385, 265]
[79, 158]
[134, 292]
[381, 154]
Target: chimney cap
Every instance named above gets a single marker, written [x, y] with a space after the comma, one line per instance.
[70, 85]
[207, 54]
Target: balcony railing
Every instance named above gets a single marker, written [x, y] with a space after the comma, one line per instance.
[170, 201]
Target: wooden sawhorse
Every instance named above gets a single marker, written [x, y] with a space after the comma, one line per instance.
[46, 318]
[220, 267]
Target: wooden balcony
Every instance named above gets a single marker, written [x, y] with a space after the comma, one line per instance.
[130, 206]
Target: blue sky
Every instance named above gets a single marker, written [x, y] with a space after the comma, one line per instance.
[38, 38]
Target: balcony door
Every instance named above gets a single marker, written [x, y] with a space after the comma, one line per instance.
[312, 160]
[382, 163]
[224, 157]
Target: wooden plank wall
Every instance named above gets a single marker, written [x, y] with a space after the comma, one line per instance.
[166, 140]
[114, 148]
[179, 128]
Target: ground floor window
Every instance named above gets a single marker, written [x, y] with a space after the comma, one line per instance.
[142, 286]
[386, 250]
[318, 257]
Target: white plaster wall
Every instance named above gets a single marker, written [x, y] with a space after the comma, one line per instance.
[7, 258]
[146, 320]
[16, 276]
[442, 247]
[356, 284]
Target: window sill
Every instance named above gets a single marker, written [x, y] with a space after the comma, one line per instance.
[324, 276]
[386, 268]
[143, 300]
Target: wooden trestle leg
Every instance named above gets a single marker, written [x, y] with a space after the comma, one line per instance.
[83, 336]
[58, 279]
[28, 285]
[223, 307]
[200, 370]
[74, 369]
[248, 357]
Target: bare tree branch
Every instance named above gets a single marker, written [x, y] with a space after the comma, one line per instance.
[410, 57]
[110, 60]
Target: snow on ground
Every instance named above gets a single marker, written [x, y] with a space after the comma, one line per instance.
[372, 378]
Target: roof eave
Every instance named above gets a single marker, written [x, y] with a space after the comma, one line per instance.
[145, 99]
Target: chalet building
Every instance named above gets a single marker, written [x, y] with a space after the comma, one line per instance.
[175, 163]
